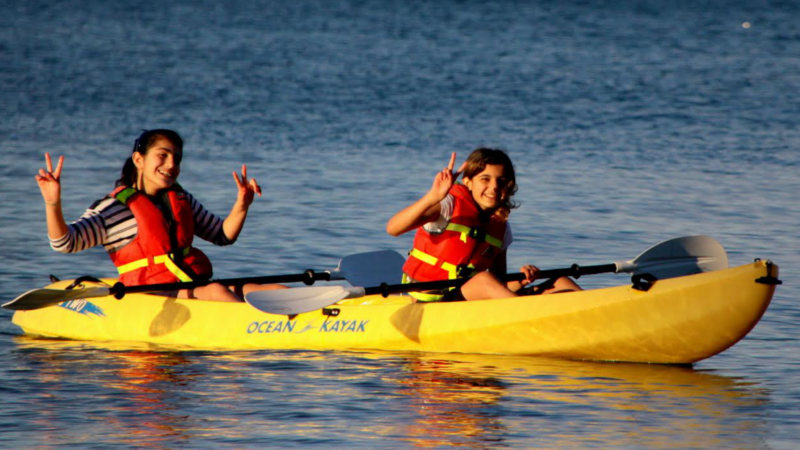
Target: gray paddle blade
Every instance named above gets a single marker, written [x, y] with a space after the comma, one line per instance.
[680, 256]
[40, 298]
[372, 268]
[299, 300]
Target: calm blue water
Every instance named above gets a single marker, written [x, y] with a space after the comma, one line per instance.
[628, 123]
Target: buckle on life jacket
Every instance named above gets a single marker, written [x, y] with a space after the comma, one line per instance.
[464, 271]
[479, 234]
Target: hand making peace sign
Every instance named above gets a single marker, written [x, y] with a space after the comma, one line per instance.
[445, 179]
[247, 188]
[50, 180]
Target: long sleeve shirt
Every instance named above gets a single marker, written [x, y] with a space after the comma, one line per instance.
[110, 223]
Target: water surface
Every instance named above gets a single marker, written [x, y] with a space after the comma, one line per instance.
[628, 124]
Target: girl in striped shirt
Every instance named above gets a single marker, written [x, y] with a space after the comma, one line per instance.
[147, 214]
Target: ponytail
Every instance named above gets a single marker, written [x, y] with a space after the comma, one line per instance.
[128, 175]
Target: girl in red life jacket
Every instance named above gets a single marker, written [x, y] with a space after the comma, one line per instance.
[148, 222]
[462, 230]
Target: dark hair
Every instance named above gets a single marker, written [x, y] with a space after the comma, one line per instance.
[477, 162]
[141, 145]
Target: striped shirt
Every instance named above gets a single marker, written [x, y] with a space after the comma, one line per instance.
[110, 223]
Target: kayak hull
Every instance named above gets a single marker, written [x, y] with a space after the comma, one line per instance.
[678, 320]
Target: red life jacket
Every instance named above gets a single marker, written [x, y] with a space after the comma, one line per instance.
[162, 250]
[468, 245]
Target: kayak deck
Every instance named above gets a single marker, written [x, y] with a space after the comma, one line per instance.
[678, 320]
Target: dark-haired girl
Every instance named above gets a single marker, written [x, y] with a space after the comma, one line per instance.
[463, 231]
[147, 223]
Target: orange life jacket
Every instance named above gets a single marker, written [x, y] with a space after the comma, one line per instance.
[162, 250]
[468, 245]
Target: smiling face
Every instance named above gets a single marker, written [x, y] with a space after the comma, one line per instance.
[158, 168]
[489, 187]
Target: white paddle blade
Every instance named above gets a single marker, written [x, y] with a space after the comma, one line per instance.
[41, 298]
[299, 300]
[677, 257]
[372, 268]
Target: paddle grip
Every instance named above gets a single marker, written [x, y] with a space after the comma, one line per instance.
[575, 271]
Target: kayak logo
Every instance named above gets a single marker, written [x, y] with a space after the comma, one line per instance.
[344, 326]
[272, 326]
[289, 326]
[82, 306]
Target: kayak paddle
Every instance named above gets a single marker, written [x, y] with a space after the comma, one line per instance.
[672, 258]
[360, 268]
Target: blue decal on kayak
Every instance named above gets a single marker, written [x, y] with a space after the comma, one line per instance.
[305, 328]
[83, 307]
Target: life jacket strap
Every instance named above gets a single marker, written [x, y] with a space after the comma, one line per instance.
[475, 233]
[423, 297]
[453, 271]
[124, 194]
[167, 259]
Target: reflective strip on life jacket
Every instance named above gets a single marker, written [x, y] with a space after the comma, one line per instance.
[474, 233]
[172, 267]
[423, 297]
[167, 260]
[451, 269]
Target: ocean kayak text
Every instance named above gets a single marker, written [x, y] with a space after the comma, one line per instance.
[289, 326]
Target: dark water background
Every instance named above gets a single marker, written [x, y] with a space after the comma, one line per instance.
[629, 123]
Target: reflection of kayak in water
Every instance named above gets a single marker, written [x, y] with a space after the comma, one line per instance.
[678, 320]
[573, 381]
[579, 404]
[404, 399]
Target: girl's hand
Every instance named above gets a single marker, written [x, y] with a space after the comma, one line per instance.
[428, 207]
[247, 187]
[50, 181]
[444, 180]
[530, 272]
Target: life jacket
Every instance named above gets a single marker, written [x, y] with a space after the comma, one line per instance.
[466, 246]
[161, 251]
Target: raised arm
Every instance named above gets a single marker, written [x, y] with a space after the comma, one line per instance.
[247, 189]
[427, 208]
[49, 182]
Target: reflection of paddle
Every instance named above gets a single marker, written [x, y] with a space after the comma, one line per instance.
[360, 268]
[673, 258]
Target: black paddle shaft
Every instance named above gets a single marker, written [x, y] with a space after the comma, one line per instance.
[574, 271]
[308, 277]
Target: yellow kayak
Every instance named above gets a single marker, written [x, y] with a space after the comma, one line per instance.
[678, 320]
